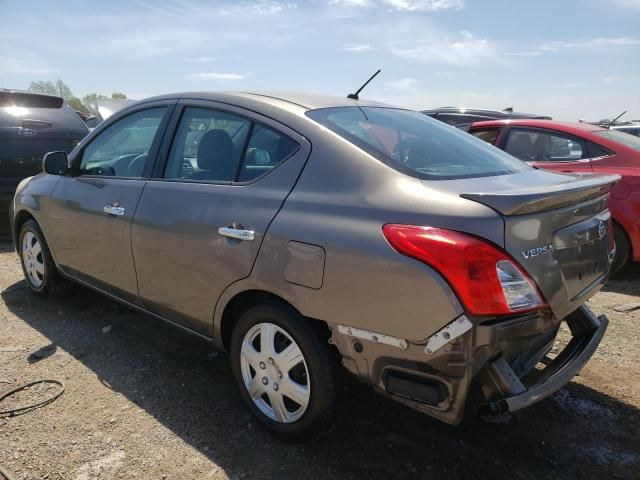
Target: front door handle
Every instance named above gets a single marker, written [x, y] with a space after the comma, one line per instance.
[114, 210]
[236, 233]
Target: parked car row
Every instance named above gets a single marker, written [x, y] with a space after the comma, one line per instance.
[580, 148]
[30, 126]
[304, 233]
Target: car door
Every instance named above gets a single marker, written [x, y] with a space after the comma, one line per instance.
[547, 149]
[92, 209]
[202, 218]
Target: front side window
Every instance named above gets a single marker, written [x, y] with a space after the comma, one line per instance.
[416, 144]
[211, 145]
[121, 150]
[542, 146]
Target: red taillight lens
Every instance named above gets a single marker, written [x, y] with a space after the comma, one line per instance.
[486, 280]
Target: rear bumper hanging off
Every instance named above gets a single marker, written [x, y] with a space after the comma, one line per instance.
[587, 331]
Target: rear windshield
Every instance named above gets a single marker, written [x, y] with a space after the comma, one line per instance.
[416, 144]
[620, 137]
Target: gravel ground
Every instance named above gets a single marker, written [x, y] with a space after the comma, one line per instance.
[146, 401]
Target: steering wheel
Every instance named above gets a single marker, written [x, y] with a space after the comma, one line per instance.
[136, 166]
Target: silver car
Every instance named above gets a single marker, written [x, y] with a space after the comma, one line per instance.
[309, 235]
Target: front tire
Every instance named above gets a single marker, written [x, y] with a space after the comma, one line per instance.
[288, 376]
[39, 269]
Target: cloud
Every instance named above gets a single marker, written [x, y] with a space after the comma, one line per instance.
[628, 3]
[408, 83]
[463, 50]
[532, 53]
[358, 48]
[590, 43]
[23, 63]
[201, 59]
[425, 5]
[219, 76]
[404, 5]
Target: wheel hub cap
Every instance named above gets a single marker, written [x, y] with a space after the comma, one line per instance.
[33, 259]
[275, 373]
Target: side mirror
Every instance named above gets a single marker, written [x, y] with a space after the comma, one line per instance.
[55, 163]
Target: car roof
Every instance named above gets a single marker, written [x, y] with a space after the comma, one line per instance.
[574, 127]
[479, 111]
[285, 100]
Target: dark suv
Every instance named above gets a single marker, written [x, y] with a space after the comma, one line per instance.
[464, 116]
[30, 126]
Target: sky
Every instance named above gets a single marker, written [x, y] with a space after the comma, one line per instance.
[570, 59]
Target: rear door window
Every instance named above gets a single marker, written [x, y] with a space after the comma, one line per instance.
[543, 146]
[215, 146]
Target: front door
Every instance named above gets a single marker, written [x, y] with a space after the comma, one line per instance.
[200, 223]
[92, 210]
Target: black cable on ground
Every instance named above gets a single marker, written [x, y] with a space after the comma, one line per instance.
[6, 475]
[25, 408]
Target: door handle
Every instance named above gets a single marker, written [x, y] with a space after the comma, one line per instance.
[236, 233]
[114, 210]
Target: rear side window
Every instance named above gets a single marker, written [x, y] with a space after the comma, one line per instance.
[620, 137]
[489, 135]
[215, 146]
[596, 151]
[266, 149]
[543, 146]
[416, 144]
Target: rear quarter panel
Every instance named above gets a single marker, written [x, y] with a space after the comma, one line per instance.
[340, 203]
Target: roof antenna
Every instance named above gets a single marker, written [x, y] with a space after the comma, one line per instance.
[614, 120]
[354, 96]
[508, 110]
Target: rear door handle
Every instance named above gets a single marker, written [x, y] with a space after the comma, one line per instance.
[236, 233]
[114, 210]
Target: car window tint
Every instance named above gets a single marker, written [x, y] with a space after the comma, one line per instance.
[488, 135]
[540, 146]
[415, 143]
[266, 149]
[597, 151]
[207, 146]
[121, 150]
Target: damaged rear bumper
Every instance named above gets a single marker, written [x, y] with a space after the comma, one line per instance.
[491, 365]
[587, 331]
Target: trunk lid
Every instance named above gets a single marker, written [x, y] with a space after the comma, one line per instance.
[557, 227]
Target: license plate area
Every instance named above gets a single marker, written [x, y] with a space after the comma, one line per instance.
[582, 250]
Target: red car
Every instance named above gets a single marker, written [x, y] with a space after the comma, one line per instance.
[580, 148]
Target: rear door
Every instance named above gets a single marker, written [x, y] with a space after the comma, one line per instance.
[92, 209]
[547, 149]
[202, 218]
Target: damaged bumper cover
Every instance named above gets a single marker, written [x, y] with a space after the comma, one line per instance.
[587, 331]
[501, 358]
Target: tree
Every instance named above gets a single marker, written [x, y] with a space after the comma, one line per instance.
[58, 88]
[76, 104]
[90, 99]
[118, 95]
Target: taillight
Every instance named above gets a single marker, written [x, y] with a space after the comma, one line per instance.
[486, 280]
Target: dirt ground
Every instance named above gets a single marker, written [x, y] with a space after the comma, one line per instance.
[146, 401]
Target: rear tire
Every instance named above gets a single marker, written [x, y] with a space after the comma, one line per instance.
[287, 375]
[623, 248]
[40, 271]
